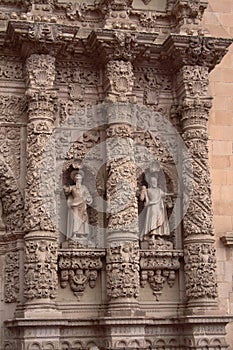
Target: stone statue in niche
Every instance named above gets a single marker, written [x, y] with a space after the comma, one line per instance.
[156, 221]
[78, 197]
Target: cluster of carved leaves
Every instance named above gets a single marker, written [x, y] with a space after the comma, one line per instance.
[40, 269]
[123, 270]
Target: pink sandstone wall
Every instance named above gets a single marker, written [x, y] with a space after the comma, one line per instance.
[218, 20]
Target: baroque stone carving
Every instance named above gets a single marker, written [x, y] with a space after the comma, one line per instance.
[159, 264]
[41, 76]
[121, 182]
[12, 199]
[120, 80]
[11, 272]
[195, 50]
[12, 108]
[40, 268]
[123, 270]
[195, 80]
[44, 32]
[41, 71]
[79, 269]
[200, 270]
[189, 12]
[11, 68]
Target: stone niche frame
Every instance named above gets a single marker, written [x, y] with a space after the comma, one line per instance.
[65, 58]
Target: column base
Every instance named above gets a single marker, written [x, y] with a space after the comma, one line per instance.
[202, 306]
[38, 309]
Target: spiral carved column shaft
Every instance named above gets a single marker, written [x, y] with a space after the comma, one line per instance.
[40, 284]
[122, 238]
[199, 252]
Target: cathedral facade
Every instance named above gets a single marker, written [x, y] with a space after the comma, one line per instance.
[116, 223]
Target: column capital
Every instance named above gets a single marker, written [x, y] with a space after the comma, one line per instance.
[191, 50]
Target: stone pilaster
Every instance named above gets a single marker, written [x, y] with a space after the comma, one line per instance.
[40, 284]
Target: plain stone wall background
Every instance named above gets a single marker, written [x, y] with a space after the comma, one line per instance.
[218, 19]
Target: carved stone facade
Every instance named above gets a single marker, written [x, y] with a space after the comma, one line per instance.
[106, 217]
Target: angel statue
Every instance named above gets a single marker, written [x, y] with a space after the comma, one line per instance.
[78, 197]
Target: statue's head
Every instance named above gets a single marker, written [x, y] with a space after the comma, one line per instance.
[77, 175]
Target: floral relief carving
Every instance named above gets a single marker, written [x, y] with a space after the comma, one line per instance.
[12, 108]
[11, 68]
[41, 97]
[123, 270]
[79, 269]
[37, 214]
[200, 270]
[41, 71]
[119, 80]
[153, 82]
[121, 182]
[195, 80]
[40, 269]
[11, 278]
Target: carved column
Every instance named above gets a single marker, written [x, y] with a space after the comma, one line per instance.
[122, 239]
[40, 284]
[199, 252]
